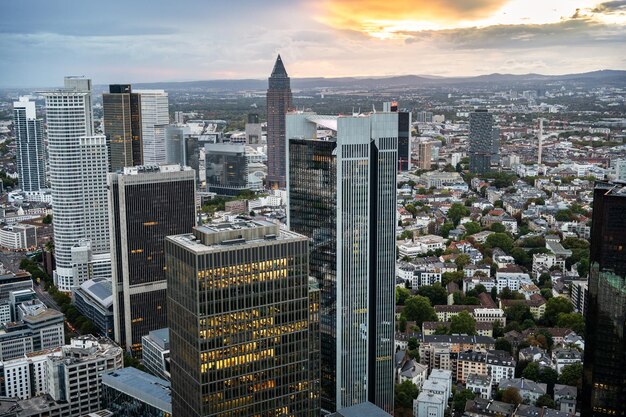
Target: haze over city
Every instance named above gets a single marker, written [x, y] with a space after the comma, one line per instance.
[149, 41]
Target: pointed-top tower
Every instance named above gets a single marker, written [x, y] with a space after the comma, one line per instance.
[279, 100]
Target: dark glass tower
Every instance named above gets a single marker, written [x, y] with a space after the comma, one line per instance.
[604, 377]
[404, 134]
[279, 101]
[484, 142]
[240, 312]
[342, 196]
[146, 205]
[122, 126]
[30, 150]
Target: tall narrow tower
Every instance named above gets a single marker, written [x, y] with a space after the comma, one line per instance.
[540, 141]
[342, 196]
[122, 126]
[279, 101]
[30, 154]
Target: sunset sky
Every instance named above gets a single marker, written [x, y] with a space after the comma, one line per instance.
[158, 40]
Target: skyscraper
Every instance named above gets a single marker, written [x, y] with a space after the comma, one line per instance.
[404, 135]
[122, 126]
[78, 162]
[154, 117]
[30, 153]
[279, 101]
[241, 338]
[342, 196]
[604, 378]
[147, 204]
[484, 148]
[425, 155]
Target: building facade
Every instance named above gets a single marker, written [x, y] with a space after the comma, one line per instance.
[78, 166]
[342, 196]
[156, 352]
[129, 392]
[122, 126]
[239, 319]
[604, 380]
[147, 204]
[483, 148]
[30, 150]
[425, 155]
[279, 101]
[154, 118]
[228, 170]
[94, 299]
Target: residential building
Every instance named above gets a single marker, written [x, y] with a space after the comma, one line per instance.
[511, 277]
[122, 126]
[565, 398]
[414, 372]
[156, 352]
[500, 365]
[94, 300]
[563, 357]
[279, 102]
[239, 300]
[78, 166]
[484, 142]
[342, 195]
[543, 261]
[26, 377]
[30, 148]
[154, 119]
[148, 203]
[604, 389]
[75, 376]
[480, 384]
[470, 363]
[490, 315]
[480, 407]
[429, 404]
[529, 390]
[579, 296]
[129, 392]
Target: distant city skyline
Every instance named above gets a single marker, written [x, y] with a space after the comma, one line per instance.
[164, 41]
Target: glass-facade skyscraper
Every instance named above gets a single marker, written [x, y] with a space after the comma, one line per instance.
[604, 377]
[241, 314]
[122, 126]
[30, 153]
[484, 142]
[279, 101]
[147, 204]
[342, 195]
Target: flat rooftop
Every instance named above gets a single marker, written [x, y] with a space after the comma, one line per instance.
[141, 385]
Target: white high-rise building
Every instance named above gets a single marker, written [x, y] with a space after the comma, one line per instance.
[78, 169]
[30, 153]
[154, 118]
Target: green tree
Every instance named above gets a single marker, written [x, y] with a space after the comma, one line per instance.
[564, 215]
[402, 324]
[462, 260]
[511, 396]
[463, 323]
[436, 293]
[498, 228]
[456, 276]
[47, 219]
[456, 212]
[499, 240]
[497, 329]
[550, 377]
[556, 306]
[518, 312]
[522, 257]
[445, 229]
[574, 321]
[503, 344]
[404, 395]
[572, 375]
[545, 401]
[472, 228]
[461, 398]
[401, 295]
[419, 310]
[531, 372]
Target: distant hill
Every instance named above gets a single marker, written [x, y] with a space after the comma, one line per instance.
[603, 77]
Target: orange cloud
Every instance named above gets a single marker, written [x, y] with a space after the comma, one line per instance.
[380, 18]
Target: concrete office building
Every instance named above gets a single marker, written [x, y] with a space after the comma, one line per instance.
[147, 204]
[94, 300]
[279, 102]
[75, 376]
[18, 236]
[175, 145]
[425, 155]
[154, 118]
[484, 142]
[129, 392]
[30, 150]
[122, 126]
[604, 386]
[239, 319]
[229, 169]
[156, 352]
[78, 166]
[342, 195]
[26, 377]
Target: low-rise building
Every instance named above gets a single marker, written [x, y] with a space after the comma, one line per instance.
[129, 392]
[156, 352]
[561, 357]
[489, 315]
[479, 384]
[429, 404]
[565, 397]
[94, 300]
[18, 236]
[529, 390]
[500, 365]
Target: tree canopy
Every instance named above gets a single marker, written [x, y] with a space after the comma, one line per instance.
[419, 310]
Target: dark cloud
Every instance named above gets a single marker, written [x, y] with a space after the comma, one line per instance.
[610, 7]
[567, 33]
